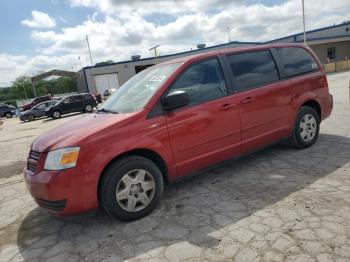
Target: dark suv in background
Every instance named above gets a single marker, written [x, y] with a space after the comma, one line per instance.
[36, 101]
[7, 111]
[71, 104]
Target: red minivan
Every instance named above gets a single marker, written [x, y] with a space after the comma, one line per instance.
[173, 119]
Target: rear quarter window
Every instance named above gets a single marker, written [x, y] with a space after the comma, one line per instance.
[295, 61]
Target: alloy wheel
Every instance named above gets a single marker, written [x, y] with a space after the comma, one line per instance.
[135, 190]
[56, 114]
[88, 108]
[308, 127]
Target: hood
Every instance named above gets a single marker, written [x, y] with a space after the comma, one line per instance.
[73, 132]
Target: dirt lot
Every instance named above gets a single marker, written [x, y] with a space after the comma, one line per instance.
[279, 204]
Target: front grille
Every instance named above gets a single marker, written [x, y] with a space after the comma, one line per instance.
[31, 167]
[56, 206]
[33, 159]
[34, 155]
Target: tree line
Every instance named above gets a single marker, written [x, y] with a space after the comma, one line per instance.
[22, 89]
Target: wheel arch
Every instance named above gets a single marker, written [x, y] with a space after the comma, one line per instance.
[315, 105]
[55, 109]
[143, 152]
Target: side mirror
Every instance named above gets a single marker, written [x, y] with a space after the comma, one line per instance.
[175, 100]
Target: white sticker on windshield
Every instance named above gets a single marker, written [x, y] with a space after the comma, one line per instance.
[157, 78]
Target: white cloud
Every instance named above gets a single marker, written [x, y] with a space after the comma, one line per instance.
[12, 66]
[126, 29]
[39, 20]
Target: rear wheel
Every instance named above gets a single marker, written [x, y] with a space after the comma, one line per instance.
[8, 115]
[56, 114]
[306, 128]
[88, 108]
[131, 188]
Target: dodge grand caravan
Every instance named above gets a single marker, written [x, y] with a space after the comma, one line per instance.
[174, 118]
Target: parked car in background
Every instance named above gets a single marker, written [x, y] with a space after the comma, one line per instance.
[175, 118]
[36, 111]
[36, 101]
[71, 104]
[7, 111]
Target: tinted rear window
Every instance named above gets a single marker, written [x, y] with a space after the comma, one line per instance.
[253, 69]
[296, 61]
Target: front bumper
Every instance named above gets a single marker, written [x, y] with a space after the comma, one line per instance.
[62, 192]
[22, 117]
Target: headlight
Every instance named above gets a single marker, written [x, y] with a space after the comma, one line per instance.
[62, 158]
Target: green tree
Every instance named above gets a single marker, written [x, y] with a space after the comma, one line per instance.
[107, 62]
[22, 88]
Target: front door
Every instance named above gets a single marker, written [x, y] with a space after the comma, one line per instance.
[265, 101]
[68, 105]
[208, 129]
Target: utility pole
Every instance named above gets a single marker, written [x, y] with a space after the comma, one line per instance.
[34, 91]
[155, 53]
[25, 93]
[80, 62]
[304, 22]
[88, 44]
[228, 33]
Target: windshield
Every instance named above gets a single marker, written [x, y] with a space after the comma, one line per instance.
[135, 93]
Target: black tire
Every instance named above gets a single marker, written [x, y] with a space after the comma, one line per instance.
[88, 108]
[56, 114]
[299, 139]
[112, 178]
[31, 117]
[8, 115]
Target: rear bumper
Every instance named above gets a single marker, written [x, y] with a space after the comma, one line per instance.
[62, 192]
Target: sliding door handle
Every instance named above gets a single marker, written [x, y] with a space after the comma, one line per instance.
[247, 100]
[226, 107]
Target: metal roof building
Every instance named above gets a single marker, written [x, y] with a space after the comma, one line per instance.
[330, 43]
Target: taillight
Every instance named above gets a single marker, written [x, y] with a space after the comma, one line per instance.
[325, 82]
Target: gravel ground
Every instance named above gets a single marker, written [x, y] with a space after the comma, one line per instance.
[279, 204]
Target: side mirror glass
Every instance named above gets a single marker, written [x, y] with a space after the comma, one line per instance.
[175, 100]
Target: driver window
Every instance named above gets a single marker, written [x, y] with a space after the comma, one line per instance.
[203, 82]
[68, 100]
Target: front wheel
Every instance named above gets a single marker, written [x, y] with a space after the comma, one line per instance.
[56, 114]
[8, 115]
[306, 128]
[31, 117]
[131, 188]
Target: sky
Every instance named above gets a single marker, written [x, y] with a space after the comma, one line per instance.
[40, 35]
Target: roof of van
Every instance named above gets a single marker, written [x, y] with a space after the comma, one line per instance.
[229, 50]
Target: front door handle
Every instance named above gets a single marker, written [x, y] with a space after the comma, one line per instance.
[226, 107]
[247, 100]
